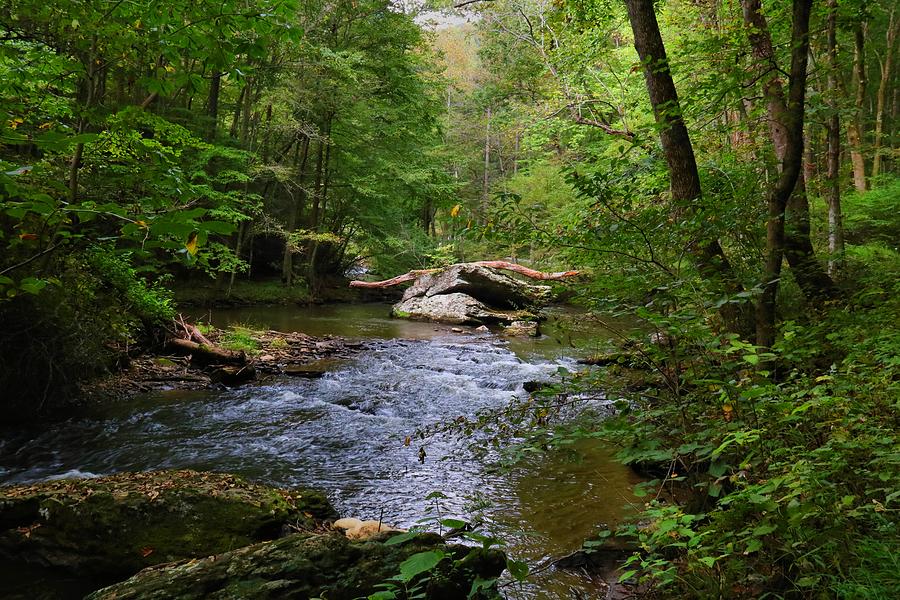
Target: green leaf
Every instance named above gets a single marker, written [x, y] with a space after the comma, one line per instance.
[753, 546]
[419, 563]
[481, 584]
[453, 523]
[764, 529]
[400, 538]
[517, 568]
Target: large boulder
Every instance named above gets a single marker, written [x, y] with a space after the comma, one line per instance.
[489, 286]
[471, 295]
[307, 566]
[112, 527]
[455, 309]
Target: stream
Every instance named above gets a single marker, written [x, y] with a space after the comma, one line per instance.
[345, 433]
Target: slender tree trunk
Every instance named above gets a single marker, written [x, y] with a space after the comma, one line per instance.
[679, 152]
[485, 184]
[236, 119]
[854, 124]
[886, 65]
[790, 173]
[212, 104]
[318, 201]
[238, 246]
[86, 95]
[798, 249]
[833, 128]
[294, 214]
[267, 135]
[246, 114]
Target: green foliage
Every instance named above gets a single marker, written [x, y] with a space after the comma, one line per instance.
[792, 480]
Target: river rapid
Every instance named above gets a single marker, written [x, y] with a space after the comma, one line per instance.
[345, 433]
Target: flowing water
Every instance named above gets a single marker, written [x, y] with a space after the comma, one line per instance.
[345, 433]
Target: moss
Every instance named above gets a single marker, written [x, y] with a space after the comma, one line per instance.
[120, 524]
[304, 566]
[241, 338]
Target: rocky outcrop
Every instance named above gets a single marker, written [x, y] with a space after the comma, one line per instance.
[112, 527]
[470, 294]
[307, 566]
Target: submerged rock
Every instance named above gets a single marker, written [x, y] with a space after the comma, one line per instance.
[522, 329]
[111, 527]
[314, 566]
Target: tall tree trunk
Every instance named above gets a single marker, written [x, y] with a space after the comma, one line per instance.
[246, 113]
[318, 200]
[811, 277]
[833, 129]
[854, 124]
[485, 183]
[212, 103]
[679, 152]
[792, 123]
[294, 215]
[86, 91]
[886, 65]
[238, 106]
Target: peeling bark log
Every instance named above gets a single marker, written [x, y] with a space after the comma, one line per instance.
[491, 264]
[207, 353]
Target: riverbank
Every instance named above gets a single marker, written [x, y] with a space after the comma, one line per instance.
[189, 534]
[267, 354]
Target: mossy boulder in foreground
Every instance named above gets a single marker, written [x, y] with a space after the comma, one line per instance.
[306, 566]
[112, 527]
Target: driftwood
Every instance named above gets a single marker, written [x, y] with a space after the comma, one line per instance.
[190, 332]
[492, 264]
[207, 353]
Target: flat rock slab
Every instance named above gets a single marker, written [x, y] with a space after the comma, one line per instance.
[313, 566]
[111, 527]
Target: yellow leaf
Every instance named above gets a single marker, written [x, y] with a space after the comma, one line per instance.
[170, 69]
[455, 210]
[728, 411]
[192, 244]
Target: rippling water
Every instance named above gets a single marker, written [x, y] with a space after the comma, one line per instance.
[345, 433]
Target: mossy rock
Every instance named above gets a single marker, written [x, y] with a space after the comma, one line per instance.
[313, 566]
[112, 527]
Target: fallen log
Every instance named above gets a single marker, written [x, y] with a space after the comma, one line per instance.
[207, 353]
[491, 264]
